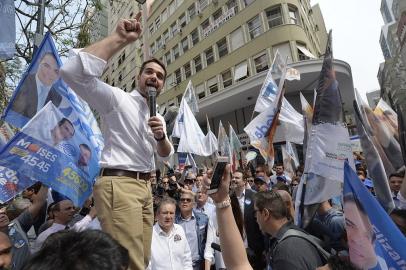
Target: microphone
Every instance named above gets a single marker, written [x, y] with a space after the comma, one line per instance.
[151, 100]
[216, 247]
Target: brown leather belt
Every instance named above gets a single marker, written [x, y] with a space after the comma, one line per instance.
[119, 172]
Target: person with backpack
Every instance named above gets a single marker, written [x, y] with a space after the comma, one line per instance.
[290, 247]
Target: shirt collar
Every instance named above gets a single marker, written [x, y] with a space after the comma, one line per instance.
[42, 86]
[191, 218]
[136, 93]
[162, 232]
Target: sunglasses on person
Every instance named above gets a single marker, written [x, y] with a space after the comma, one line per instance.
[185, 200]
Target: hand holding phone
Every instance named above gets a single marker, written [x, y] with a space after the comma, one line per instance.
[218, 172]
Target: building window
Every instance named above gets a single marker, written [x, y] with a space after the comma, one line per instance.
[241, 71]
[187, 69]
[185, 44]
[261, 63]
[227, 79]
[217, 14]
[284, 50]
[174, 29]
[274, 17]
[254, 27]
[178, 76]
[203, 4]
[182, 20]
[232, 4]
[175, 52]
[165, 36]
[293, 15]
[157, 22]
[209, 56]
[159, 43]
[164, 15]
[236, 39]
[200, 91]
[191, 11]
[213, 85]
[195, 37]
[222, 47]
[151, 29]
[205, 24]
[198, 63]
[168, 58]
[152, 48]
[172, 8]
[248, 2]
[169, 81]
[303, 52]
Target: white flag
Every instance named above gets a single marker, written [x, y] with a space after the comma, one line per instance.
[190, 97]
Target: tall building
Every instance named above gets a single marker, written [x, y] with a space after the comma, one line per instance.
[392, 73]
[225, 48]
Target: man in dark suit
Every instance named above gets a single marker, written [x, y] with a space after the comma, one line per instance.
[37, 89]
[254, 239]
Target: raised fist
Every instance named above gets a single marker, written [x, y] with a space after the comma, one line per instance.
[129, 29]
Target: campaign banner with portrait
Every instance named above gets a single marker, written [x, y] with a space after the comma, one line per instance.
[12, 183]
[374, 240]
[41, 84]
[51, 149]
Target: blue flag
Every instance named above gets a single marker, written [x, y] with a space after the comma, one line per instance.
[55, 151]
[374, 240]
[7, 29]
[12, 183]
[40, 84]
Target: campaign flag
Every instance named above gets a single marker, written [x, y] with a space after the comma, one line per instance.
[190, 98]
[7, 29]
[192, 139]
[224, 147]
[290, 124]
[40, 84]
[51, 149]
[210, 140]
[376, 170]
[269, 88]
[12, 183]
[382, 135]
[290, 159]
[328, 145]
[235, 149]
[402, 132]
[190, 161]
[6, 133]
[374, 241]
[307, 112]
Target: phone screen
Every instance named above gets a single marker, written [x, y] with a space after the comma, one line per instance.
[218, 172]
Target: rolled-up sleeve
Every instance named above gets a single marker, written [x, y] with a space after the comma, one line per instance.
[81, 73]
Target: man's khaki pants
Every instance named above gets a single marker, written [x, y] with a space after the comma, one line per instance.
[125, 210]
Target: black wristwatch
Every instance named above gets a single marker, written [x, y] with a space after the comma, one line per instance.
[160, 139]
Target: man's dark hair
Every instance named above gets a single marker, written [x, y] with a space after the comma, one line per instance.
[86, 146]
[63, 120]
[87, 250]
[153, 60]
[35, 188]
[281, 186]
[400, 174]
[273, 202]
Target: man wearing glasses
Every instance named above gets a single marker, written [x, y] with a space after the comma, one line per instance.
[195, 226]
[37, 88]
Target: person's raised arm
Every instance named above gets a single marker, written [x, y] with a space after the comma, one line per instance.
[232, 246]
[127, 31]
[38, 201]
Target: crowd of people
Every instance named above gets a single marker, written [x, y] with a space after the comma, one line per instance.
[246, 224]
[136, 219]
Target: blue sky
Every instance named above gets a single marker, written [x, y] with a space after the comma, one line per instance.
[356, 26]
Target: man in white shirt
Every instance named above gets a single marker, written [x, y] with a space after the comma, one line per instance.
[170, 249]
[132, 137]
[280, 172]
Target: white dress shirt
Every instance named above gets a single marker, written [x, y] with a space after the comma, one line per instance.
[213, 237]
[129, 141]
[44, 235]
[170, 251]
[42, 93]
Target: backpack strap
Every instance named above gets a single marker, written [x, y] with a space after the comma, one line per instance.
[316, 242]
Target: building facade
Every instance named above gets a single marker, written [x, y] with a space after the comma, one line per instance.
[392, 73]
